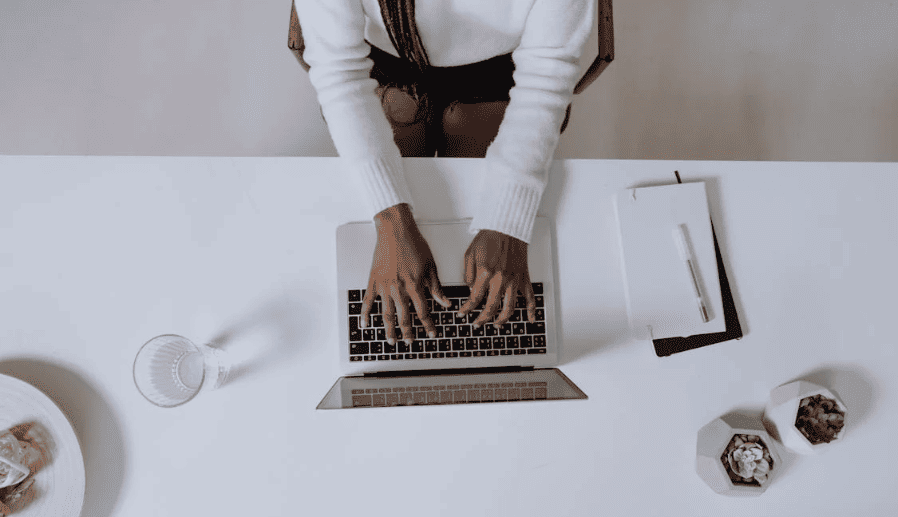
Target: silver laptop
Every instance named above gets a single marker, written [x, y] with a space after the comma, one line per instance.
[461, 365]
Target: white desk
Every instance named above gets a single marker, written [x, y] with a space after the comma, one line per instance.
[99, 254]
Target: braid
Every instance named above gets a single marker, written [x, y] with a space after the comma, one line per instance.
[399, 19]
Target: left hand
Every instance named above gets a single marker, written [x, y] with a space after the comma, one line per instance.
[496, 267]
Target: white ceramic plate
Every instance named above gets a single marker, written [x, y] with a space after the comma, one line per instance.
[60, 484]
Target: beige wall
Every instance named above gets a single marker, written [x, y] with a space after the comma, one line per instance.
[696, 79]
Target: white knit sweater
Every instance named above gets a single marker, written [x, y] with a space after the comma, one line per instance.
[546, 39]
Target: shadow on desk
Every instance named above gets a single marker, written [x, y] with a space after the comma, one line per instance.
[96, 425]
[273, 330]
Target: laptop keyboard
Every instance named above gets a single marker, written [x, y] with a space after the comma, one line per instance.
[449, 394]
[455, 336]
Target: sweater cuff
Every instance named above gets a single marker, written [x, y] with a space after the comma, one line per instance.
[384, 180]
[507, 206]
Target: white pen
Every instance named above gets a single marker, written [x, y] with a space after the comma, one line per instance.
[686, 256]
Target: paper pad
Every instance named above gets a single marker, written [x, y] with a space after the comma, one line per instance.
[657, 284]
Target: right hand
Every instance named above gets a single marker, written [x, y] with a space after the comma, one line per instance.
[402, 269]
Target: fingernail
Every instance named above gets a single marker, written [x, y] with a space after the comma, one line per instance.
[408, 342]
[391, 341]
[432, 334]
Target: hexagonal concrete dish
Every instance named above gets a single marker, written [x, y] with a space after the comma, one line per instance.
[806, 417]
[735, 456]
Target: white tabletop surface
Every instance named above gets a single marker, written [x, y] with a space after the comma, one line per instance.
[100, 254]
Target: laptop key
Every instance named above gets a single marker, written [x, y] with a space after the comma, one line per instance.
[452, 354]
[369, 334]
[536, 328]
[450, 331]
[389, 349]
[485, 343]
[355, 308]
[479, 353]
[458, 344]
[539, 341]
[499, 342]
[358, 348]
[526, 341]
[537, 288]
[536, 351]
[377, 347]
[355, 358]
[511, 341]
[411, 356]
[540, 314]
[369, 357]
[464, 331]
[424, 356]
[492, 352]
[506, 329]
[459, 319]
[491, 330]
[477, 332]
[430, 345]
[420, 332]
[456, 291]
[381, 335]
[519, 351]
[377, 320]
[417, 346]
[447, 318]
[471, 343]
[539, 301]
[506, 352]
[355, 335]
[396, 357]
[465, 354]
[519, 329]
[355, 295]
[403, 347]
[383, 358]
[444, 345]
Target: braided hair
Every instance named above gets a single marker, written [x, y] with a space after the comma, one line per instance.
[399, 19]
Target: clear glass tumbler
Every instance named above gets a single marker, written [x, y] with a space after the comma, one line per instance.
[170, 370]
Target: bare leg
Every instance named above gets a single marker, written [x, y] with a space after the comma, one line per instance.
[409, 129]
[469, 129]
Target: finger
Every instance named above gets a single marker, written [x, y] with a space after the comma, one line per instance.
[531, 300]
[511, 292]
[479, 290]
[492, 304]
[436, 289]
[367, 303]
[470, 269]
[405, 318]
[389, 313]
[417, 296]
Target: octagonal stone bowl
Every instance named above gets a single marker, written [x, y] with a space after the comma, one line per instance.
[781, 414]
[714, 439]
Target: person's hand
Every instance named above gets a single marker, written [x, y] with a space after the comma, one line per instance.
[496, 265]
[402, 269]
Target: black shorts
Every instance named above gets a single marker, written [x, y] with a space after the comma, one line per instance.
[484, 81]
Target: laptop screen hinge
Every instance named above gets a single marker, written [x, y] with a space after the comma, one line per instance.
[451, 371]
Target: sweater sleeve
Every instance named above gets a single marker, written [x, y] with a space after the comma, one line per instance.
[336, 51]
[546, 71]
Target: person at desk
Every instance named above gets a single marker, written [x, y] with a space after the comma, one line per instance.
[454, 78]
